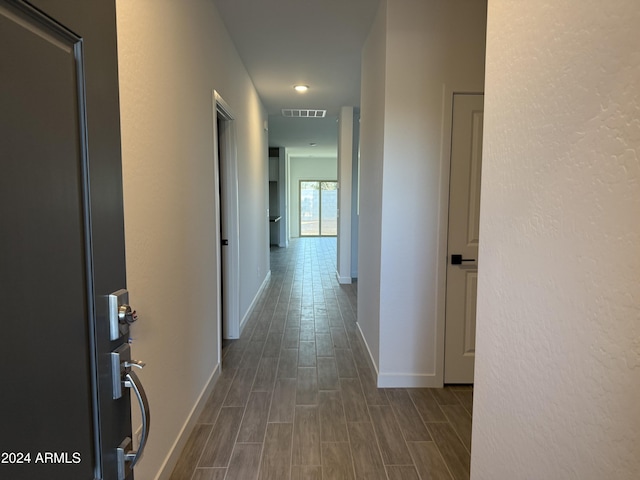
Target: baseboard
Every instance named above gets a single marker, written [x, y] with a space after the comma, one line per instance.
[408, 380]
[343, 280]
[247, 314]
[400, 380]
[176, 449]
[372, 362]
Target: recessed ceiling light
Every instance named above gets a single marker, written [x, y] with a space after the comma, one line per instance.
[313, 144]
[301, 88]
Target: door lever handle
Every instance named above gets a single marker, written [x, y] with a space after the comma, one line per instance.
[134, 363]
[456, 259]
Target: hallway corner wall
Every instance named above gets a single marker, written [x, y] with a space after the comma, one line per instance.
[355, 194]
[172, 55]
[345, 184]
[372, 106]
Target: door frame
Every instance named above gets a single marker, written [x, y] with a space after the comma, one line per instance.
[448, 92]
[227, 210]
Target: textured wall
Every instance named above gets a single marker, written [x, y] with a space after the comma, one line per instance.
[171, 57]
[558, 344]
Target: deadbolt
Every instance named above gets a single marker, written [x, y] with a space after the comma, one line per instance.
[126, 315]
[121, 315]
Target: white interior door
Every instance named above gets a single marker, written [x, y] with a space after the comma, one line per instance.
[227, 184]
[464, 212]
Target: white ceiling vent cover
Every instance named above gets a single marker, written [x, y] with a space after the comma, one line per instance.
[303, 113]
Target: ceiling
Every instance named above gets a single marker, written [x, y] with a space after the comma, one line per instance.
[311, 42]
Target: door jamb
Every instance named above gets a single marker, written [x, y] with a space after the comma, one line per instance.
[226, 145]
[448, 92]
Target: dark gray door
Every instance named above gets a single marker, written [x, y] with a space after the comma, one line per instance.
[61, 240]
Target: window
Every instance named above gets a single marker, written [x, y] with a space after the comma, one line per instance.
[318, 208]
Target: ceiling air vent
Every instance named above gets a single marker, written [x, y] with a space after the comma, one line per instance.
[303, 113]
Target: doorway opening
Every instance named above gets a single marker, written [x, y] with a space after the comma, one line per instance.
[318, 208]
[227, 239]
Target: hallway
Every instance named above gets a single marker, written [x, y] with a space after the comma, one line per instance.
[297, 399]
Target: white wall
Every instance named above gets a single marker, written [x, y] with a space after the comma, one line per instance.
[306, 168]
[172, 55]
[355, 194]
[345, 184]
[558, 318]
[372, 104]
[428, 47]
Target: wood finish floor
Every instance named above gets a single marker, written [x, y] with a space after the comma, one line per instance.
[297, 399]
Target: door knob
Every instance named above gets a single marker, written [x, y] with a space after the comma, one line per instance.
[456, 259]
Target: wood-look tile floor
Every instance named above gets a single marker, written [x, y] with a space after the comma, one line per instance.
[297, 400]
